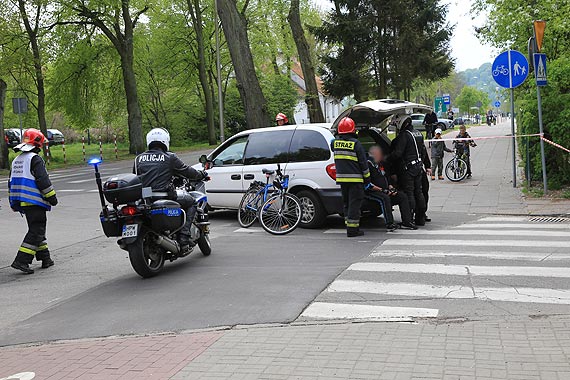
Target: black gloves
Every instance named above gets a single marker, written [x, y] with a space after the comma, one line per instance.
[204, 174]
[52, 200]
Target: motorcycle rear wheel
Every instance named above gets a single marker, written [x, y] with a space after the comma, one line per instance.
[147, 259]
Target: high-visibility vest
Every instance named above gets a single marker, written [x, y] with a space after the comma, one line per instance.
[22, 185]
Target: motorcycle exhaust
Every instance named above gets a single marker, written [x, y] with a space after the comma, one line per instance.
[168, 244]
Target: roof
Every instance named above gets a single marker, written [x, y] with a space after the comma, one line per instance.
[297, 69]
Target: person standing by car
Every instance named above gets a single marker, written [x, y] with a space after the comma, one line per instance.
[408, 150]
[438, 149]
[31, 193]
[382, 191]
[430, 121]
[281, 119]
[450, 114]
[463, 147]
[352, 173]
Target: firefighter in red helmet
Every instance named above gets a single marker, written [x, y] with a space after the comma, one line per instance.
[352, 173]
[32, 194]
[281, 119]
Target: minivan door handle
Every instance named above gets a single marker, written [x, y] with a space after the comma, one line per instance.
[249, 177]
[236, 177]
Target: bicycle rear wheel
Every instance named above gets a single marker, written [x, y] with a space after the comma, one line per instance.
[248, 206]
[456, 170]
[280, 214]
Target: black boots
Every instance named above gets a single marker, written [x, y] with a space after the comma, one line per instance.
[46, 263]
[354, 232]
[24, 267]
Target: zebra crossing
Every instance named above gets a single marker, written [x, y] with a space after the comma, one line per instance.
[492, 265]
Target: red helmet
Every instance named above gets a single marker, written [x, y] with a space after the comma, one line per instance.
[281, 116]
[34, 137]
[346, 126]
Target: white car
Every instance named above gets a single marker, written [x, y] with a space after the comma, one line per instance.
[304, 153]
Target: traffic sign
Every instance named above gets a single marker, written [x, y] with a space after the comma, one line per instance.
[497, 104]
[510, 69]
[439, 105]
[446, 99]
[540, 69]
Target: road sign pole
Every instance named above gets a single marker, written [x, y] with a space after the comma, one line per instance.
[20, 120]
[541, 129]
[514, 138]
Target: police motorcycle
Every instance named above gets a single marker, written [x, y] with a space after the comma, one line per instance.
[147, 223]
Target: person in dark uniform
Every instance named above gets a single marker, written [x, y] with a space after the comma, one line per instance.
[31, 193]
[409, 152]
[430, 121]
[385, 193]
[157, 167]
[352, 173]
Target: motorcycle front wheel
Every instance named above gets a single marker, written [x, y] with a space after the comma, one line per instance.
[147, 258]
[204, 244]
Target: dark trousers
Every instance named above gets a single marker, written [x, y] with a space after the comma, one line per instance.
[437, 166]
[412, 187]
[188, 203]
[352, 198]
[429, 132]
[35, 243]
[386, 202]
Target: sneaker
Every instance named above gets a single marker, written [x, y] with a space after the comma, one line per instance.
[392, 227]
[441, 178]
[433, 178]
[408, 226]
[22, 267]
[468, 175]
[46, 263]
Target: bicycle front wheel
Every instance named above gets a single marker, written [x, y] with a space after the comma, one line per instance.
[280, 214]
[247, 211]
[456, 170]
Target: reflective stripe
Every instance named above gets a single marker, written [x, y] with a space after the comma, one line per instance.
[27, 250]
[30, 246]
[346, 152]
[50, 194]
[345, 157]
[42, 248]
[366, 174]
[352, 225]
[22, 186]
[47, 190]
[349, 180]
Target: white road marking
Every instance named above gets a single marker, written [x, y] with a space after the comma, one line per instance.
[513, 294]
[82, 180]
[504, 219]
[250, 230]
[482, 254]
[325, 310]
[495, 232]
[525, 226]
[69, 190]
[475, 243]
[335, 231]
[463, 270]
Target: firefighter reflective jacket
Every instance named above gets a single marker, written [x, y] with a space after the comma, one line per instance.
[29, 182]
[350, 160]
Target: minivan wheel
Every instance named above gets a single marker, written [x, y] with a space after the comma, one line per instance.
[313, 212]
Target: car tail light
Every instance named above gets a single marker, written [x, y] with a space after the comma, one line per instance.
[129, 210]
[331, 171]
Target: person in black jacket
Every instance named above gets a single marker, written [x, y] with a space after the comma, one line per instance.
[352, 173]
[32, 194]
[383, 192]
[157, 168]
[430, 121]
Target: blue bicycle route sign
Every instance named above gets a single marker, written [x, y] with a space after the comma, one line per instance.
[497, 104]
[510, 69]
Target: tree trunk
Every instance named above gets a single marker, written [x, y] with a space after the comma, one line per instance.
[3, 146]
[234, 25]
[311, 90]
[196, 14]
[136, 141]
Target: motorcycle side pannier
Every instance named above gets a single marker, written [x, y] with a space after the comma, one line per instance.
[166, 215]
[110, 223]
[123, 188]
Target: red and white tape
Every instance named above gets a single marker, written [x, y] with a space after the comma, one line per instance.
[484, 137]
[554, 144]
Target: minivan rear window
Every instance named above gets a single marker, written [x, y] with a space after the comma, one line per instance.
[268, 147]
[308, 146]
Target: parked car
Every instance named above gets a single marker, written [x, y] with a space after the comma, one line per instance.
[12, 137]
[55, 137]
[304, 153]
[418, 119]
[462, 121]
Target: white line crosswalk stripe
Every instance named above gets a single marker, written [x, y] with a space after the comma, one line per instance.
[422, 274]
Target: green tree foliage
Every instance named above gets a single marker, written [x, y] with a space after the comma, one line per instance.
[509, 25]
[470, 97]
[384, 46]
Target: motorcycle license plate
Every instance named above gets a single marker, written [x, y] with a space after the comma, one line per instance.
[130, 230]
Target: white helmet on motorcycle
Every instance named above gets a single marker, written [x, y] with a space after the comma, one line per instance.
[158, 135]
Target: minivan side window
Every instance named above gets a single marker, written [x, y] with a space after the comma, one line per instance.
[308, 146]
[268, 147]
[232, 154]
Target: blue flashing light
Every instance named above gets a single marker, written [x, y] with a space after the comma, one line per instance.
[95, 161]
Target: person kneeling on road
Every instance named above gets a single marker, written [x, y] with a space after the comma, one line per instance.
[352, 173]
[157, 167]
[438, 149]
[381, 191]
[32, 194]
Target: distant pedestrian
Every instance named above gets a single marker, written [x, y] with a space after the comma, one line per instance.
[32, 194]
[438, 149]
[352, 173]
[430, 121]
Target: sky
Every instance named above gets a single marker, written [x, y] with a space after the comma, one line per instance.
[467, 50]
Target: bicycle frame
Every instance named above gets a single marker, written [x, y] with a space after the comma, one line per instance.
[262, 194]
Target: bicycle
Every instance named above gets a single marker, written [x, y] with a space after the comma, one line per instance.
[278, 211]
[456, 168]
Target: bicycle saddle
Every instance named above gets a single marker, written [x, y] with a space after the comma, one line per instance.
[268, 172]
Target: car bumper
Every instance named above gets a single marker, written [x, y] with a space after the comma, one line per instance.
[332, 200]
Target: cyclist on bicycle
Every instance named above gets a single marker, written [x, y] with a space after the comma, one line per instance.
[463, 147]
[430, 121]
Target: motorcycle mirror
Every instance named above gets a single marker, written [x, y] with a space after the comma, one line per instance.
[203, 159]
